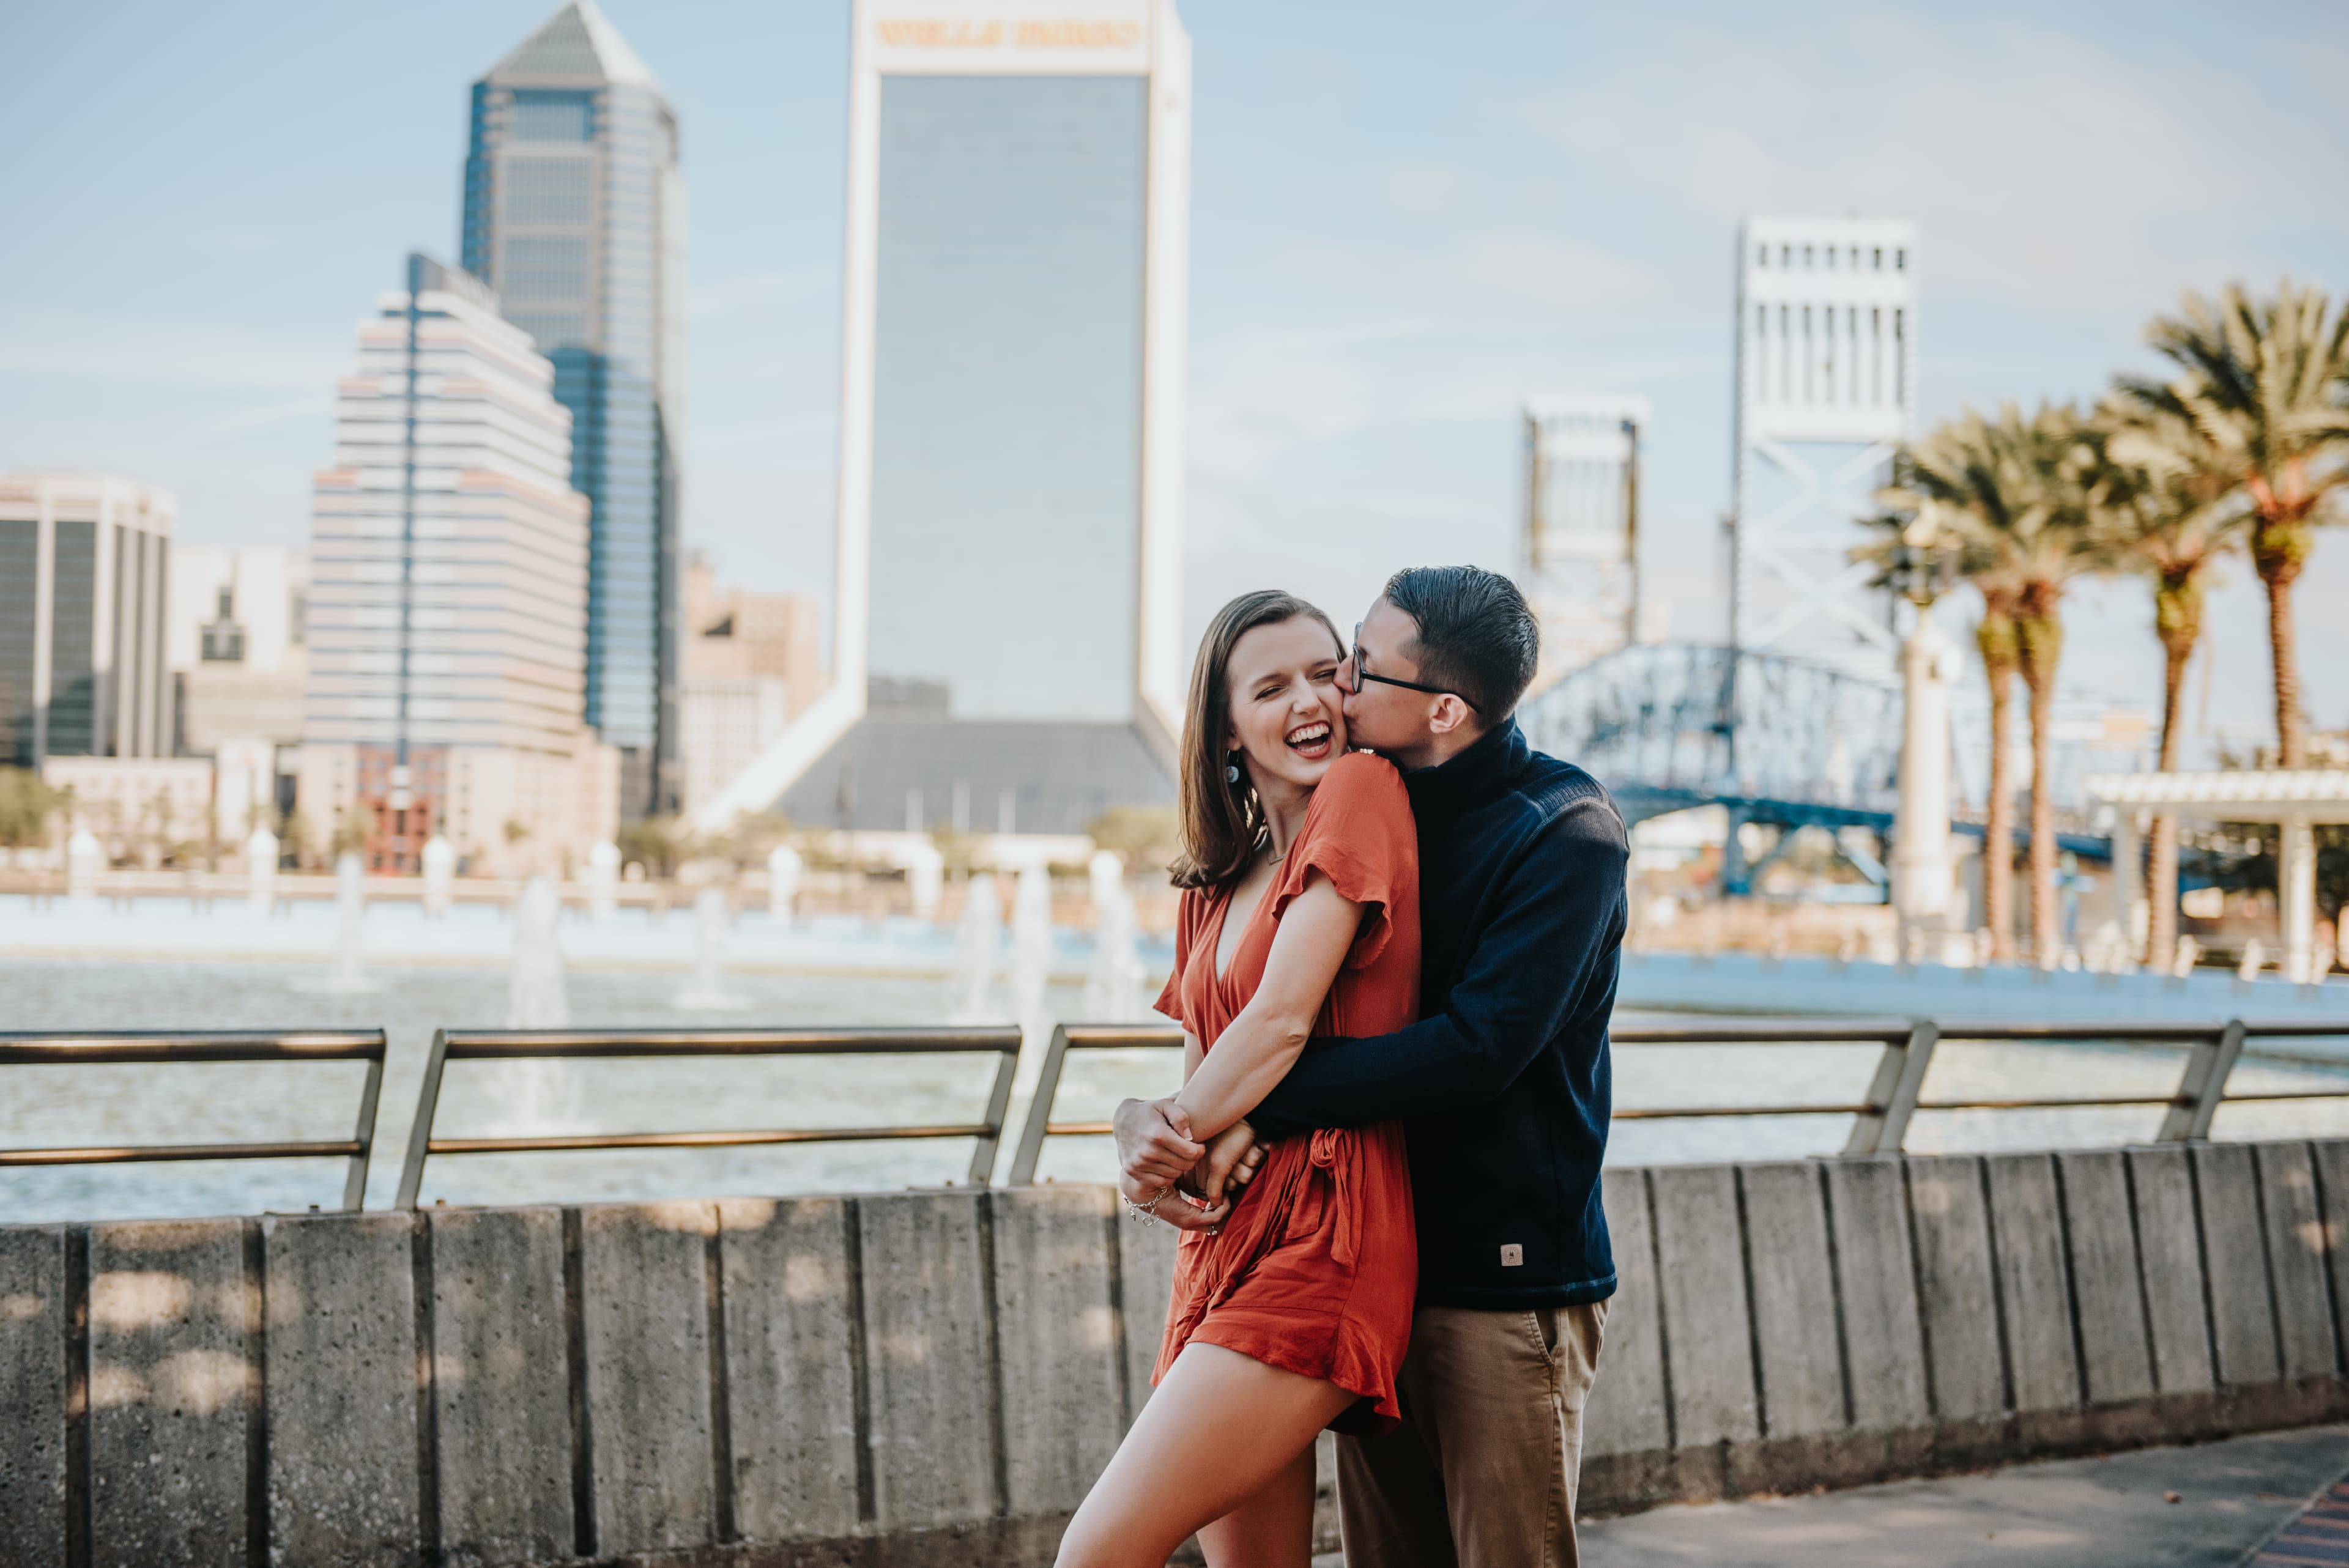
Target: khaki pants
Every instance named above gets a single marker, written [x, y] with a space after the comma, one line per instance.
[1482, 1473]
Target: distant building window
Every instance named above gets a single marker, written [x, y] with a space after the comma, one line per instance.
[540, 268]
[223, 643]
[554, 116]
[546, 189]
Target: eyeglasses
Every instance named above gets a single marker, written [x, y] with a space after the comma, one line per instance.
[1354, 657]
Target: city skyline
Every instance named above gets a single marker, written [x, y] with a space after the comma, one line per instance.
[1399, 233]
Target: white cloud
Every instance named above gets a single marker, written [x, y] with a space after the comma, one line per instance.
[2046, 171]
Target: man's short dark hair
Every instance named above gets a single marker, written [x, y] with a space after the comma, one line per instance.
[1477, 635]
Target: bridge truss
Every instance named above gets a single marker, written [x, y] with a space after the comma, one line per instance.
[1780, 741]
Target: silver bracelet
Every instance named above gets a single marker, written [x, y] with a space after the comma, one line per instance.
[1147, 1214]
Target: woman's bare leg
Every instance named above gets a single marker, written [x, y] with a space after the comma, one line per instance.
[1274, 1529]
[1221, 1428]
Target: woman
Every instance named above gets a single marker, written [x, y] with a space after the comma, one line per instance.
[1299, 916]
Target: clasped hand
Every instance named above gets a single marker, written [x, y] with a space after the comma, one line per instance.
[1156, 1152]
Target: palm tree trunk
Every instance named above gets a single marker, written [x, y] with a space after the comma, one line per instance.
[2046, 940]
[2040, 634]
[2177, 617]
[2277, 551]
[1995, 637]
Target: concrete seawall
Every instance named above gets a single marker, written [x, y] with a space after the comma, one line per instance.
[935, 1377]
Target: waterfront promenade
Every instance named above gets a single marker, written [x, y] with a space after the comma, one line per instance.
[2209, 1506]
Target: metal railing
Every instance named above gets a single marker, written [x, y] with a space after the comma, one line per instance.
[1067, 1037]
[120, 1048]
[546, 1044]
[1880, 1120]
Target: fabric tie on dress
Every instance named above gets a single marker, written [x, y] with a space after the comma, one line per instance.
[1341, 1155]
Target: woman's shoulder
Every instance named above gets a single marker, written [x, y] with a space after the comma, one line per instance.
[1364, 779]
[1196, 907]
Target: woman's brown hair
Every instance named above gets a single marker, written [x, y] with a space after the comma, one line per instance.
[1222, 821]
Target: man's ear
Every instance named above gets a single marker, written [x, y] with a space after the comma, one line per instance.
[1451, 714]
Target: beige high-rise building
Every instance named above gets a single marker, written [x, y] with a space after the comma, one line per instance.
[448, 599]
[752, 663]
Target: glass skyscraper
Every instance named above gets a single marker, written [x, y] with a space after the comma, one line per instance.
[1010, 429]
[574, 214]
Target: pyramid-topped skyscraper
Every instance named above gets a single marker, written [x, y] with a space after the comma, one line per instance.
[574, 214]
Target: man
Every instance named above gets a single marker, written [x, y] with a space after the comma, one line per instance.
[1502, 1087]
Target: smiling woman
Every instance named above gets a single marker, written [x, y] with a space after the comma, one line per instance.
[1222, 818]
[1299, 918]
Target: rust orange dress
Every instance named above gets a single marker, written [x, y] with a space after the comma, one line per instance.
[1315, 1269]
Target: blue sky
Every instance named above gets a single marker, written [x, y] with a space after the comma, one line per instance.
[1404, 218]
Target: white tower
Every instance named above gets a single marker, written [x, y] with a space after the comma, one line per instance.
[1827, 388]
[1008, 595]
[1579, 548]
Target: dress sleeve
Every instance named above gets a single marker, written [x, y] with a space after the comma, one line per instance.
[1360, 834]
[1187, 921]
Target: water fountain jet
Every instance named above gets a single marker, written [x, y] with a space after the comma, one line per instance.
[712, 915]
[350, 976]
[84, 860]
[978, 944]
[782, 882]
[535, 998]
[439, 876]
[261, 870]
[603, 880]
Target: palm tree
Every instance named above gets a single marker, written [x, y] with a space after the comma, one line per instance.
[2261, 402]
[1935, 483]
[2014, 492]
[2164, 518]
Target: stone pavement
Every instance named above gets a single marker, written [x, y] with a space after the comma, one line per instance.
[2109, 1513]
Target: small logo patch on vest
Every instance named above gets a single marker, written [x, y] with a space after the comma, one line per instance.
[1512, 1256]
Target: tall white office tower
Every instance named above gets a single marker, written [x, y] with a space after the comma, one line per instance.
[1011, 459]
[447, 617]
[1578, 543]
[1827, 389]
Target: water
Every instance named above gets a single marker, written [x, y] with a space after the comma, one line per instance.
[223, 1102]
[53, 1106]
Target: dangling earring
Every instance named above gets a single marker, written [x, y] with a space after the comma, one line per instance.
[1232, 771]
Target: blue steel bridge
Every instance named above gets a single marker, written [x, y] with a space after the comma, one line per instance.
[1778, 741]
